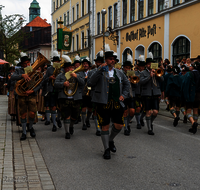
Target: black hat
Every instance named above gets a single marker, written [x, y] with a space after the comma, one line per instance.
[86, 59]
[141, 61]
[108, 52]
[67, 61]
[169, 69]
[115, 56]
[100, 57]
[176, 69]
[23, 58]
[185, 68]
[56, 56]
[128, 62]
[196, 65]
[150, 58]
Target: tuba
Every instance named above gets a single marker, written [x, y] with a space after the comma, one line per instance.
[73, 82]
[22, 86]
[56, 73]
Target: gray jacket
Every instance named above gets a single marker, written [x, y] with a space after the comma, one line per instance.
[17, 75]
[59, 84]
[138, 88]
[90, 73]
[148, 87]
[100, 80]
[46, 79]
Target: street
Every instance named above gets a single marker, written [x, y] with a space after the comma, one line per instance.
[167, 160]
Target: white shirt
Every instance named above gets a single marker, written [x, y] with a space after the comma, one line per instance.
[86, 73]
[111, 73]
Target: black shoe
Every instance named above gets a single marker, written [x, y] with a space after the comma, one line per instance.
[23, 137]
[139, 126]
[67, 136]
[106, 154]
[175, 123]
[54, 129]
[167, 108]
[112, 146]
[190, 130]
[84, 127]
[98, 133]
[126, 132]
[59, 123]
[32, 132]
[185, 119]
[129, 128]
[79, 119]
[27, 127]
[194, 127]
[150, 132]
[71, 130]
[142, 122]
[87, 124]
[47, 122]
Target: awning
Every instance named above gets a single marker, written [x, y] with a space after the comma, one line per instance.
[2, 62]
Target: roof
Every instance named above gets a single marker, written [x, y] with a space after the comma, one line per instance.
[38, 22]
[34, 4]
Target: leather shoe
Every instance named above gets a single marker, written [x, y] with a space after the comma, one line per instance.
[98, 133]
[106, 154]
[71, 130]
[112, 146]
[23, 137]
[47, 122]
[139, 126]
[194, 127]
[32, 132]
[126, 132]
[190, 130]
[150, 132]
[142, 122]
[67, 136]
[87, 124]
[175, 123]
[54, 129]
[59, 123]
[84, 127]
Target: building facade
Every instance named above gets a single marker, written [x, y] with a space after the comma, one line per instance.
[168, 28]
[34, 10]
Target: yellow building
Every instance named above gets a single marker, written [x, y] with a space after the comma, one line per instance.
[168, 28]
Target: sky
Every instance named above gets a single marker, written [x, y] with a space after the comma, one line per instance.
[22, 7]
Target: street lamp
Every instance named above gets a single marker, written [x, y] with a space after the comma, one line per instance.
[103, 12]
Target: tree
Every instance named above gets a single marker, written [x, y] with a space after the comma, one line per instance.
[11, 35]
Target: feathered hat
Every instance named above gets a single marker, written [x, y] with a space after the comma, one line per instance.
[23, 58]
[115, 55]
[77, 59]
[56, 56]
[129, 61]
[141, 61]
[87, 59]
[176, 69]
[108, 52]
[100, 57]
[150, 58]
[67, 61]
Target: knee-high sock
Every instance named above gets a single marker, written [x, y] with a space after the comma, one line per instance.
[96, 123]
[58, 114]
[153, 117]
[114, 133]
[88, 115]
[129, 118]
[142, 115]
[23, 122]
[47, 113]
[83, 117]
[137, 116]
[31, 121]
[53, 115]
[105, 139]
[72, 122]
[66, 125]
[125, 123]
[148, 120]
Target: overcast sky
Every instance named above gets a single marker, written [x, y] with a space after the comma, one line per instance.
[22, 7]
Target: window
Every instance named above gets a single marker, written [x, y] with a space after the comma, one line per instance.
[132, 10]
[115, 15]
[156, 50]
[110, 17]
[54, 6]
[124, 12]
[77, 11]
[88, 6]
[176, 2]
[98, 23]
[88, 38]
[141, 9]
[77, 42]
[73, 43]
[181, 49]
[82, 7]
[53, 27]
[73, 14]
[60, 2]
[125, 53]
[64, 19]
[150, 7]
[161, 4]
[67, 18]
[82, 40]
[56, 24]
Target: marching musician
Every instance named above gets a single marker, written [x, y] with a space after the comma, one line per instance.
[111, 88]
[27, 102]
[51, 95]
[150, 93]
[69, 102]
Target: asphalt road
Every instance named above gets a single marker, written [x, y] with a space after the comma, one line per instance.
[168, 160]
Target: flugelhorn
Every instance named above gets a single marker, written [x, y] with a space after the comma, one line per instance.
[133, 78]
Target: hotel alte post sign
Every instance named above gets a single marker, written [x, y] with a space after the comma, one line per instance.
[141, 33]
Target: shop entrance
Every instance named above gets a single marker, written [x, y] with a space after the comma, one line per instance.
[139, 51]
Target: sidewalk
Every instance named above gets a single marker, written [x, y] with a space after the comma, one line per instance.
[22, 166]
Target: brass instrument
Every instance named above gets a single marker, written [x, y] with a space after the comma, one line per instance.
[22, 86]
[133, 78]
[159, 72]
[73, 83]
[56, 73]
